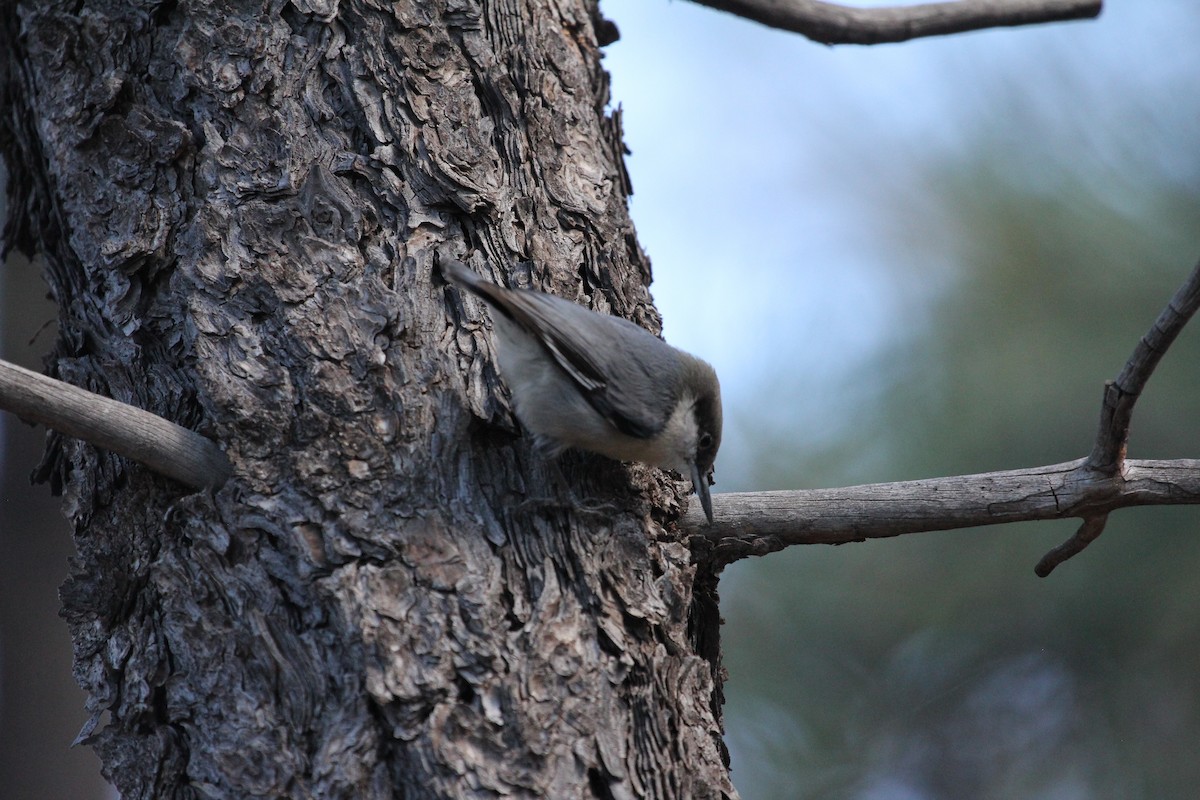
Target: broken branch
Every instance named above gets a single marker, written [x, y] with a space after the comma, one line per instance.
[163, 446]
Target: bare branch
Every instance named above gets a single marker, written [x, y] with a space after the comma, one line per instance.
[1087, 533]
[757, 523]
[1116, 412]
[163, 446]
[830, 23]
[1121, 394]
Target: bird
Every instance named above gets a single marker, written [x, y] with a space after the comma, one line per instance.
[600, 383]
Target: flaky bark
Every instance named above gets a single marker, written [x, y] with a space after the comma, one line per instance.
[238, 208]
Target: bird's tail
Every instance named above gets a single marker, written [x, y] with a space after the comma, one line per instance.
[456, 271]
[496, 297]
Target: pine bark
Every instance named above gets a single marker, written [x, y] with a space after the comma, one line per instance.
[238, 206]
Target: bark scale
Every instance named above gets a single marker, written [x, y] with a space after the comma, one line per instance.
[238, 205]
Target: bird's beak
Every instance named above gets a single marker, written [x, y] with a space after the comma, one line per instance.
[700, 484]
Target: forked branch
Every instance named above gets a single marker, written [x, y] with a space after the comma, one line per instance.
[1107, 459]
[757, 523]
[830, 23]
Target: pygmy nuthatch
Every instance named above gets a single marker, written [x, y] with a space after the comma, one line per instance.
[601, 383]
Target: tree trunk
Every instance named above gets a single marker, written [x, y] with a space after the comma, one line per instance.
[238, 206]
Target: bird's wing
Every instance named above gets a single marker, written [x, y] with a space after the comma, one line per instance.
[622, 370]
[607, 357]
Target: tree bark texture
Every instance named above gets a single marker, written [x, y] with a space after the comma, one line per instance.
[238, 206]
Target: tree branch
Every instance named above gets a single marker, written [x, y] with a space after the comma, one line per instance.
[830, 23]
[160, 445]
[757, 523]
[762, 522]
[1121, 394]
[1107, 458]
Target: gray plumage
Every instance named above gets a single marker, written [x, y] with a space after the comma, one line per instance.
[601, 383]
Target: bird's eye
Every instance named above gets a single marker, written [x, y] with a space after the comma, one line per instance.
[705, 441]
